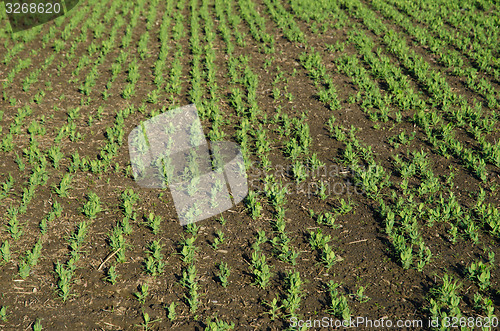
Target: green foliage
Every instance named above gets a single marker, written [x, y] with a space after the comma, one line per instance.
[189, 280]
[147, 321]
[38, 325]
[154, 222]
[142, 294]
[154, 264]
[5, 252]
[480, 273]
[171, 311]
[112, 275]
[93, 206]
[218, 325]
[3, 313]
[218, 240]
[338, 302]
[260, 268]
[64, 186]
[294, 294]
[223, 274]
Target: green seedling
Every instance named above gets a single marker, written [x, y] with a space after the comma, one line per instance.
[318, 240]
[154, 222]
[55, 155]
[338, 302]
[188, 250]
[223, 274]
[118, 243]
[189, 280]
[171, 311]
[142, 294]
[322, 190]
[5, 252]
[3, 313]
[64, 186]
[261, 270]
[112, 275]
[480, 273]
[218, 325]
[147, 321]
[261, 237]
[360, 295]
[328, 257]
[253, 205]
[222, 220]
[14, 226]
[38, 325]
[218, 240]
[64, 279]
[294, 296]
[154, 264]
[192, 228]
[92, 207]
[273, 308]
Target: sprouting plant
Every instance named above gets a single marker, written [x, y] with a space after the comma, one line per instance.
[143, 293]
[222, 220]
[345, 207]
[253, 204]
[406, 255]
[218, 325]
[453, 231]
[5, 251]
[282, 247]
[327, 219]
[147, 321]
[24, 269]
[188, 250]
[171, 311]
[64, 186]
[261, 269]
[92, 206]
[223, 274]
[445, 296]
[192, 228]
[299, 171]
[14, 227]
[218, 240]
[118, 244]
[128, 199]
[38, 325]
[189, 280]
[64, 278]
[112, 275]
[294, 296]
[20, 162]
[322, 190]
[360, 295]
[55, 155]
[424, 255]
[7, 186]
[154, 222]
[273, 308]
[318, 240]
[328, 256]
[3, 313]
[480, 273]
[261, 237]
[484, 304]
[154, 263]
[338, 302]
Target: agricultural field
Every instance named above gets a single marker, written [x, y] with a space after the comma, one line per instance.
[370, 137]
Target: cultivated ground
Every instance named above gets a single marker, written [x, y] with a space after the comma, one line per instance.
[371, 142]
